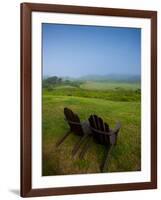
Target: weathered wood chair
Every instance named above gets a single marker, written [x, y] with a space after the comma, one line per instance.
[102, 134]
[77, 127]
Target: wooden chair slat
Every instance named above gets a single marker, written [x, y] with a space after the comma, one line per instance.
[71, 115]
[107, 129]
[91, 121]
[67, 113]
[101, 124]
[76, 118]
[96, 121]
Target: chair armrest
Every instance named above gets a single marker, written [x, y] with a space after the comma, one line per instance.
[117, 127]
[103, 132]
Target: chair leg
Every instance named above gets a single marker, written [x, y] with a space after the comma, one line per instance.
[105, 163]
[85, 148]
[63, 138]
[78, 144]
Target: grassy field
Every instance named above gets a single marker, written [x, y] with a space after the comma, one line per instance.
[93, 85]
[113, 103]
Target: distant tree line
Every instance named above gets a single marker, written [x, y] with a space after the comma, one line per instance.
[54, 81]
[51, 81]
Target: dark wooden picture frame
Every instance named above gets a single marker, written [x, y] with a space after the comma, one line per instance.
[26, 98]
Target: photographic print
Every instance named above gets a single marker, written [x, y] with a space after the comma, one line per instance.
[88, 99]
[91, 93]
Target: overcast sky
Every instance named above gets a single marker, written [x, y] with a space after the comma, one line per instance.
[76, 50]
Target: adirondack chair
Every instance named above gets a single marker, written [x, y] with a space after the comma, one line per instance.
[102, 134]
[77, 127]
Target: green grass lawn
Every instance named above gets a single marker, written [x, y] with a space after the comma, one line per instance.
[112, 95]
[95, 85]
[126, 154]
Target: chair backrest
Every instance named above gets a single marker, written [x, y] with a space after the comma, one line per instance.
[73, 121]
[99, 129]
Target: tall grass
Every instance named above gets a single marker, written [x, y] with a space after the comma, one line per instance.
[112, 105]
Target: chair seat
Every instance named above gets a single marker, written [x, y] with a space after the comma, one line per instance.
[86, 127]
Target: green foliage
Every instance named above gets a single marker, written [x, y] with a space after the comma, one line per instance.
[51, 81]
[110, 85]
[113, 103]
[56, 82]
[119, 95]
